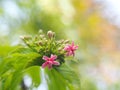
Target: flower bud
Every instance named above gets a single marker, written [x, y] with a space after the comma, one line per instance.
[22, 37]
[36, 37]
[60, 49]
[53, 34]
[25, 37]
[40, 31]
[66, 41]
[50, 34]
[42, 36]
[44, 39]
[40, 43]
[62, 41]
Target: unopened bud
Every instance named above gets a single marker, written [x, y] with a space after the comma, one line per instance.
[60, 48]
[50, 34]
[25, 37]
[46, 40]
[61, 41]
[42, 36]
[53, 34]
[36, 37]
[40, 31]
[22, 37]
[66, 41]
[40, 43]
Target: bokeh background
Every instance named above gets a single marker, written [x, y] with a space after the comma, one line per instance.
[94, 24]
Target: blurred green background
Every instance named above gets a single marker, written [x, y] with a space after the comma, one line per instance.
[77, 20]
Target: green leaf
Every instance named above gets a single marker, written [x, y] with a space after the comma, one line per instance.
[34, 73]
[70, 76]
[22, 50]
[62, 78]
[54, 80]
[12, 67]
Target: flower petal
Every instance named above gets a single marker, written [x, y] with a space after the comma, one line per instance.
[67, 48]
[53, 57]
[70, 53]
[44, 64]
[75, 47]
[45, 58]
[56, 63]
[49, 66]
[72, 43]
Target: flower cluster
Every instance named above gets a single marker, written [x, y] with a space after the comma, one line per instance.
[52, 51]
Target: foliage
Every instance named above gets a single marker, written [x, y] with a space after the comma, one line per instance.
[27, 61]
[78, 20]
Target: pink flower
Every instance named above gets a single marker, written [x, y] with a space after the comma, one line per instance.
[50, 61]
[70, 49]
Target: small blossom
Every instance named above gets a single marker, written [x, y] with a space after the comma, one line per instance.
[50, 61]
[70, 49]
